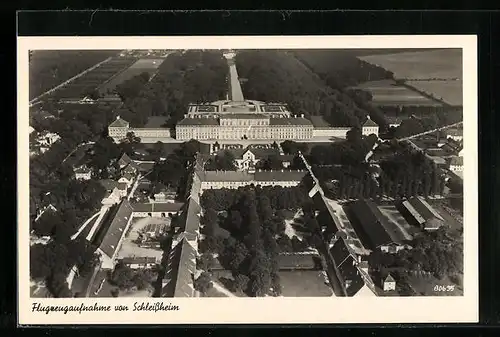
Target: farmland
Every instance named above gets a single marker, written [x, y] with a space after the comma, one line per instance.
[148, 65]
[449, 92]
[388, 93]
[49, 68]
[88, 83]
[444, 64]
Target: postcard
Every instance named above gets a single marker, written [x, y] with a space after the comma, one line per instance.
[249, 179]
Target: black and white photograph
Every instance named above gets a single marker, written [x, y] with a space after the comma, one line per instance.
[156, 175]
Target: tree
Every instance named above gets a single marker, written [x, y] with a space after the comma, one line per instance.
[273, 162]
[203, 283]
[260, 277]
[354, 135]
[223, 161]
[241, 282]
[123, 277]
[206, 262]
[131, 138]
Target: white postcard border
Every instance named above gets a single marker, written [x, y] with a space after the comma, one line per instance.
[261, 310]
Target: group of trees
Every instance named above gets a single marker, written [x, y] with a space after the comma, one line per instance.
[352, 151]
[130, 88]
[255, 220]
[279, 76]
[125, 278]
[183, 78]
[341, 70]
[223, 161]
[439, 252]
[52, 183]
[416, 125]
[173, 172]
[406, 173]
[290, 198]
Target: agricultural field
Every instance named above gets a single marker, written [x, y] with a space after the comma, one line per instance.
[148, 65]
[49, 68]
[388, 93]
[443, 64]
[449, 92]
[88, 83]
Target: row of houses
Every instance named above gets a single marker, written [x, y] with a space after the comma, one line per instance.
[113, 232]
[374, 231]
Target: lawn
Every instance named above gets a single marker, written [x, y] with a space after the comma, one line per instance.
[304, 284]
[140, 66]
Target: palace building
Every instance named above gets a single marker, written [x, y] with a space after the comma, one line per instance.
[236, 118]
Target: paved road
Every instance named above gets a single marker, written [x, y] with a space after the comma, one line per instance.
[76, 148]
[430, 131]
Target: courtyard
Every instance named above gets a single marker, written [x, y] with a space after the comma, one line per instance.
[129, 248]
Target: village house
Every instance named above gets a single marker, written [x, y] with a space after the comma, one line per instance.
[249, 157]
[82, 173]
[455, 134]
[157, 210]
[46, 139]
[180, 272]
[418, 212]
[389, 284]
[127, 179]
[369, 128]
[457, 164]
[375, 230]
[237, 179]
[356, 282]
[137, 262]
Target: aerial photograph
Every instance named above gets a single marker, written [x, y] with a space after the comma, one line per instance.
[246, 173]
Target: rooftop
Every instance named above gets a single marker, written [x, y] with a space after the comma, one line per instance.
[259, 153]
[108, 184]
[244, 116]
[346, 264]
[138, 260]
[116, 229]
[199, 121]
[422, 207]
[377, 229]
[119, 123]
[283, 175]
[179, 277]
[370, 123]
[157, 207]
[457, 161]
[290, 121]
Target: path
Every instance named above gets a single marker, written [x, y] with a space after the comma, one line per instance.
[70, 80]
[102, 213]
[76, 148]
[82, 227]
[430, 131]
[223, 290]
